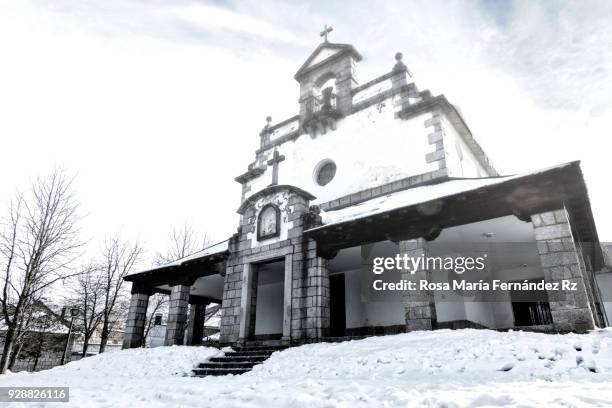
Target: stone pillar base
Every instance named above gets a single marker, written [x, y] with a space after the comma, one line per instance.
[419, 307]
[562, 260]
[137, 316]
[177, 315]
[317, 297]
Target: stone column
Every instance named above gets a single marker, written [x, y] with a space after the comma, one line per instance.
[137, 315]
[419, 306]
[287, 298]
[177, 315]
[245, 302]
[317, 294]
[195, 328]
[561, 260]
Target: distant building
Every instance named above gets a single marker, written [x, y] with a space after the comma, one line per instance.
[115, 340]
[44, 342]
[157, 333]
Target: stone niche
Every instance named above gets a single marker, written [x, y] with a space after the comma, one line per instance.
[272, 215]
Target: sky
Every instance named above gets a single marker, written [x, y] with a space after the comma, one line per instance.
[157, 105]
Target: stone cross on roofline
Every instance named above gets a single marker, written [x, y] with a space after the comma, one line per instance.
[274, 161]
[325, 32]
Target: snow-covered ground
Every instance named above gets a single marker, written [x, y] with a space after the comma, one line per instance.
[462, 368]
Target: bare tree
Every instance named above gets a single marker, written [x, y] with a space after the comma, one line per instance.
[184, 241]
[38, 241]
[87, 293]
[118, 259]
[157, 305]
[120, 312]
[27, 322]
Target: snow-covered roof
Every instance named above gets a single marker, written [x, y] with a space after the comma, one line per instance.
[415, 196]
[211, 250]
[208, 251]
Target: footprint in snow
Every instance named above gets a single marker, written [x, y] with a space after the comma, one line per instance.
[579, 360]
[591, 366]
[507, 367]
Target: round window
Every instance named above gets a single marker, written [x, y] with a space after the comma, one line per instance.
[325, 173]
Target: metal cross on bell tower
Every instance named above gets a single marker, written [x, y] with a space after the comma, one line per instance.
[325, 32]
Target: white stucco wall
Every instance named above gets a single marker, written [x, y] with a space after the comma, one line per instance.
[469, 166]
[365, 314]
[495, 315]
[370, 148]
[449, 306]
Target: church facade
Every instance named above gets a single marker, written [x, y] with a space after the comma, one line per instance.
[372, 170]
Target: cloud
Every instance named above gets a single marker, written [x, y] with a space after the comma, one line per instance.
[158, 105]
[221, 18]
[560, 52]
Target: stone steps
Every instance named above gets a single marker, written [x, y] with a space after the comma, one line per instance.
[203, 372]
[249, 353]
[236, 362]
[259, 359]
[232, 364]
[343, 338]
[259, 348]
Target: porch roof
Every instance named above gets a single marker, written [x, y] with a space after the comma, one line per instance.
[416, 195]
[420, 211]
[203, 262]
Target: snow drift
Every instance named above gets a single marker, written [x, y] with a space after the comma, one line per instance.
[436, 369]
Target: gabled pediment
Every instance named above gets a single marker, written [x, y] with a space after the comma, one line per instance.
[325, 52]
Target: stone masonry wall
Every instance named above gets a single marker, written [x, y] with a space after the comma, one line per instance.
[41, 351]
[134, 326]
[419, 307]
[315, 296]
[308, 307]
[560, 259]
[177, 315]
[343, 70]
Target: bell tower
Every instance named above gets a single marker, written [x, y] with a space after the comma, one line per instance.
[326, 80]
